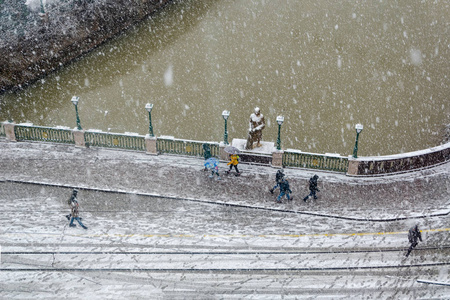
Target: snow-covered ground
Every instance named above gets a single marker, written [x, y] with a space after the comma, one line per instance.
[159, 229]
[413, 194]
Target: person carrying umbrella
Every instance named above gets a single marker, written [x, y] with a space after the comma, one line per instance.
[212, 163]
[206, 153]
[215, 171]
[234, 159]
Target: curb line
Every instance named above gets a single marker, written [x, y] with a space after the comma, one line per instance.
[227, 203]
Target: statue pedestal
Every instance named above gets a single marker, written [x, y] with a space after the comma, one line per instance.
[266, 148]
[261, 155]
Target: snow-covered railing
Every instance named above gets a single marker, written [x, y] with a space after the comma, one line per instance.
[28, 131]
[168, 144]
[330, 162]
[361, 166]
[2, 130]
[130, 141]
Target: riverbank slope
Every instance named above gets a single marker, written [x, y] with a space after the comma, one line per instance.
[36, 43]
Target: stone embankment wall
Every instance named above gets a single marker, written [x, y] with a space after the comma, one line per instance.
[362, 166]
[58, 37]
[406, 162]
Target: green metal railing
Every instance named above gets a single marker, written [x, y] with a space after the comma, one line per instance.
[183, 147]
[168, 145]
[2, 130]
[113, 140]
[43, 134]
[315, 161]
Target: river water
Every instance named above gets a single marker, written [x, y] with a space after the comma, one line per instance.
[324, 65]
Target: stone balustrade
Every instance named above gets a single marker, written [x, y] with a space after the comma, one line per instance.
[406, 162]
[361, 166]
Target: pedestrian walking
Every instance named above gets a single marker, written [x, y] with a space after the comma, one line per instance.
[284, 190]
[212, 163]
[414, 236]
[312, 188]
[278, 177]
[206, 154]
[215, 171]
[72, 198]
[75, 215]
[234, 161]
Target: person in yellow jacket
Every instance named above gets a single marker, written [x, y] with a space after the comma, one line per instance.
[234, 161]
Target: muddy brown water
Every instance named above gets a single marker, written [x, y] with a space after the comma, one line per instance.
[323, 65]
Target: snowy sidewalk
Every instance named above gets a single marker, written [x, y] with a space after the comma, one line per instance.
[409, 195]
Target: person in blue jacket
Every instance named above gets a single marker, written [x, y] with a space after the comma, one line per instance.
[75, 215]
[284, 190]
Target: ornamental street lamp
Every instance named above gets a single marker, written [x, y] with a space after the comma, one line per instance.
[225, 115]
[358, 128]
[149, 107]
[42, 8]
[280, 120]
[75, 100]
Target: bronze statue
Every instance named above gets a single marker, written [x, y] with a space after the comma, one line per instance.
[257, 124]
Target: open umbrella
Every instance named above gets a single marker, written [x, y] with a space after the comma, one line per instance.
[232, 150]
[211, 163]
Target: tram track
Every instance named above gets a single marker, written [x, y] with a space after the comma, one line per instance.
[221, 261]
[303, 252]
[223, 270]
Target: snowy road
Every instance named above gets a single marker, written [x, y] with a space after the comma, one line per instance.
[155, 248]
[229, 261]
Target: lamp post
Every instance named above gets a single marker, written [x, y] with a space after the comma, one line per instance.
[225, 115]
[149, 107]
[280, 120]
[358, 128]
[75, 100]
[42, 8]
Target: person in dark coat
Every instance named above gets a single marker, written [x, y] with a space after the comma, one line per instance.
[414, 236]
[206, 153]
[75, 215]
[284, 190]
[72, 198]
[312, 188]
[278, 177]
